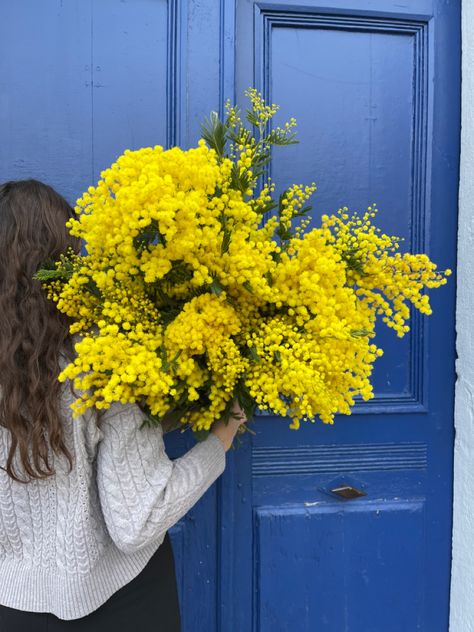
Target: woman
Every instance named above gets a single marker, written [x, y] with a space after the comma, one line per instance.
[85, 504]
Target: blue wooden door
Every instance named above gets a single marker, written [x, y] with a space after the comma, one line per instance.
[374, 85]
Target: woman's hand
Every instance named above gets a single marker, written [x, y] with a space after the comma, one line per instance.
[227, 432]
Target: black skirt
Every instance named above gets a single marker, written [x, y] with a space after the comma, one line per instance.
[149, 603]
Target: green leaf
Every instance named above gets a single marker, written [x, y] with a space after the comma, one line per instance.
[276, 137]
[201, 435]
[225, 241]
[214, 132]
[267, 207]
[253, 354]
[46, 276]
[252, 118]
[360, 333]
[180, 272]
[54, 271]
[174, 365]
[168, 315]
[164, 358]
[353, 261]
[239, 181]
[248, 286]
[148, 237]
[227, 409]
[92, 287]
[303, 211]
[216, 287]
[201, 360]
[234, 136]
[284, 233]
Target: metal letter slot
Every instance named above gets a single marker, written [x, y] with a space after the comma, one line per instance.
[348, 492]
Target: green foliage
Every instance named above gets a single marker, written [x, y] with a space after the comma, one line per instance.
[276, 256]
[280, 137]
[352, 259]
[92, 288]
[201, 435]
[239, 181]
[269, 278]
[52, 272]
[225, 240]
[361, 333]
[149, 236]
[214, 132]
[251, 117]
[166, 362]
[253, 354]
[46, 276]
[267, 207]
[216, 286]
[218, 133]
[180, 272]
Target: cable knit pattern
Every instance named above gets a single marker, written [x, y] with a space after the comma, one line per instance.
[69, 542]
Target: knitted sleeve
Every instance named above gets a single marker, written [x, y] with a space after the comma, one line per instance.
[142, 492]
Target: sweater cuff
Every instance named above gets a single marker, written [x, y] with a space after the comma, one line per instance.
[212, 455]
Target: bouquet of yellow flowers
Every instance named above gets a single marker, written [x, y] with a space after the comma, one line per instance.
[198, 288]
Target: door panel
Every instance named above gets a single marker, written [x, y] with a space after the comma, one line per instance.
[352, 93]
[315, 567]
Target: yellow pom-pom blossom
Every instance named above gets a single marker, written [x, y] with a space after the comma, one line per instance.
[386, 280]
[192, 293]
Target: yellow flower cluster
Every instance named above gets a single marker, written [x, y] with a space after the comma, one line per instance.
[293, 202]
[309, 370]
[262, 111]
[187, 299]
[386, 280]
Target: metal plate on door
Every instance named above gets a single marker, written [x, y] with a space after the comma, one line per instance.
[348, 492]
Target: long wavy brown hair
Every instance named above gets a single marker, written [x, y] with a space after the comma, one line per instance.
[33, 333]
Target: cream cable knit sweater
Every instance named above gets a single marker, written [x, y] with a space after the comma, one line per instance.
[69, 542]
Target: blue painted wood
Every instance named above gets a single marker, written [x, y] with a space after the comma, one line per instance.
[45, 95]
[131, 71]
[271, 461]
[362, 79]
[331, 578]
[80, 81]
[361, 157]
[374, 85]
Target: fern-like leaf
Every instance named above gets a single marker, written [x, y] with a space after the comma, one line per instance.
[214, 132]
